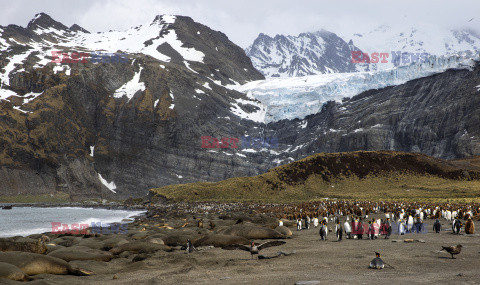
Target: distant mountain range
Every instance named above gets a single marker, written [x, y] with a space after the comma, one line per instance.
[325, 52]
[114, 114]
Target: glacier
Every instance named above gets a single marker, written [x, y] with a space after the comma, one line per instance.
[298, 97]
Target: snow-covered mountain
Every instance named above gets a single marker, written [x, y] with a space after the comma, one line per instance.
[119, 112]
[305, 54]
[324, 52]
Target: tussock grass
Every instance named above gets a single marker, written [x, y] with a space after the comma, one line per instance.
[45, 198]
[361, 175]
[405, 187]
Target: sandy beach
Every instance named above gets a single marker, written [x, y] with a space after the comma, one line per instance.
[308, 258]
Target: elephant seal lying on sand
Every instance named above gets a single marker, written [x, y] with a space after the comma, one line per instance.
[140, 247]
[284, 231]
[78, 252]
[33, 264]
[25, 245]
[9, 271]
[219, 240]
[252, 232]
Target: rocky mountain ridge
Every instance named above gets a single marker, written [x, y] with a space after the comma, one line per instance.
[115, 129]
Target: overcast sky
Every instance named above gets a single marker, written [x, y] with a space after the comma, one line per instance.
[243, 20]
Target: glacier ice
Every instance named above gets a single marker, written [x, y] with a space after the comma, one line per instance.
[298, 97]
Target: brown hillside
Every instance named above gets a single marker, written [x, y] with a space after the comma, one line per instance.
[350, 175]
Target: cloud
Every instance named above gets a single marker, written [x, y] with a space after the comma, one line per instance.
[242, 21]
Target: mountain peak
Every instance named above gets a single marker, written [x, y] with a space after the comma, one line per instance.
[77, 28]
[42, 20]
[164, 19]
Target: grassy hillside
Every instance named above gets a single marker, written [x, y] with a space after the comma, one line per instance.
[352, 175]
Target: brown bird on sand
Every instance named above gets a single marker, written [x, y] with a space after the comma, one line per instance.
[254, 249]
[453, 249]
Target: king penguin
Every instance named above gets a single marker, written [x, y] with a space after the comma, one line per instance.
[377, 262]
[437, 227]
[338, 231]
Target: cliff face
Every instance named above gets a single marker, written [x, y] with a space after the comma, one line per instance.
[436, 115]
[117, 129]
[136, 124]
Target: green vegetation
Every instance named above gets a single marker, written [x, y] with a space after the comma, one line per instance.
[45, 198]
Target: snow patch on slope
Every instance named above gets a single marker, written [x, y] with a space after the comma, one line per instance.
[131, 87]
[257, 116]
[111, 186]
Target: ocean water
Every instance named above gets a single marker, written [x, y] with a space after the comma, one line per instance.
[24, 221]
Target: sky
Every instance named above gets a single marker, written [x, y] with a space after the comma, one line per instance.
[242, 21]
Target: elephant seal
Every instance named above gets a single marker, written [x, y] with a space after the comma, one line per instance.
[180, 238]
[219, 240]
[10, 271]
[25, 244]
[91, 243]
[139, 247]
[113, 242]
[34, 263]
[253, 232]
[469, 227]
[78, 252]
[284, 231]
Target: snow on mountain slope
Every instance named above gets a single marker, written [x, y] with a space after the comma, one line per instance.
[426, 38]
[54, 36]
[35, 46]
[298, 97]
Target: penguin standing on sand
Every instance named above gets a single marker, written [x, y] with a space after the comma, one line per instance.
[458, 226]
[307, 223]
[410, 224]
[315, 222]
[299, 224]
[371, 230]
[469, 226]
[377, 262]
[360, 229]
[323, 231]
[387, 228]
[280, 223]
[338, 231]
[401, 227]
[437, 227]
[190, 248]
[348, 229]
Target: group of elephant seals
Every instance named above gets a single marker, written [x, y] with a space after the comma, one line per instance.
[34, 263]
